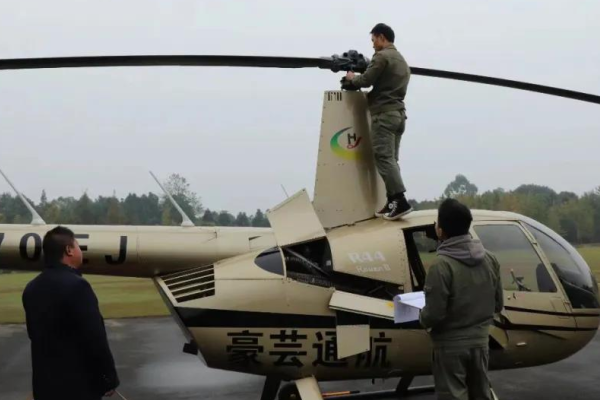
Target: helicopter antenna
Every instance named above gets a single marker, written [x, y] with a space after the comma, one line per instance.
[187, 222]
[35, 217]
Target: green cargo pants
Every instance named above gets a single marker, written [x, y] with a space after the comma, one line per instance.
[461, 373]
[386, 131]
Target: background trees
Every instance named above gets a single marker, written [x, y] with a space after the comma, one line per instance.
[133, 209]
[576, 218]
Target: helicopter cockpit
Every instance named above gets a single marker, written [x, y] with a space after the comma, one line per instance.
[570, 268]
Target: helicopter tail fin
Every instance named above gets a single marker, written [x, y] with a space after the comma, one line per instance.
[347, 186]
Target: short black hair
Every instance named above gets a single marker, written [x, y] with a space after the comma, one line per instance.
[55, 244]
[385, 30]
[454, 218]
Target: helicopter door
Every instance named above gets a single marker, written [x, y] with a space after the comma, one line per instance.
[352, 320]
[533, 295]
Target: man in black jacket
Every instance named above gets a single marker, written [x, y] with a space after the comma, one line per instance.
[71, 358]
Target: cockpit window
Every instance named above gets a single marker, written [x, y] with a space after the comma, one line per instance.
[573, 272]
[521, 267]
[426, 246]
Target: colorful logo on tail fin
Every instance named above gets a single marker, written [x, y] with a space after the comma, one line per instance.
[345, 144]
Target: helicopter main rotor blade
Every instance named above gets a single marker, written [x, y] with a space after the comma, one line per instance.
[351, 61]
[487, 80]
[165, 60]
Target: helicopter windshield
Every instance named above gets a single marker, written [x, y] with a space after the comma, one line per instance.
[521, 267]
[572, 270]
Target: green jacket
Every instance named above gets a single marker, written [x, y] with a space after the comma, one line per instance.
[463, 291]
[389, 74]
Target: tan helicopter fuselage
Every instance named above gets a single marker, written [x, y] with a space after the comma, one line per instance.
[261, 313]
[249, 316]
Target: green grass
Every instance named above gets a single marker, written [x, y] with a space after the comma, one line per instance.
[131, 297]
[591, 254]
[118, 297]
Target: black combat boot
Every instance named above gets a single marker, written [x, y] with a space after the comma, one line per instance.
[399, 207]
[386, 208]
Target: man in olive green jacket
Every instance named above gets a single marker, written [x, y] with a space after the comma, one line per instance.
[389, 74]
[463, 291]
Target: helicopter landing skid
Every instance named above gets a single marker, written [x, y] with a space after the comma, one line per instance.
[402, 391]
[270, 388]
[307, 389]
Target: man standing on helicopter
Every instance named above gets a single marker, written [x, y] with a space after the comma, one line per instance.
[388, 74]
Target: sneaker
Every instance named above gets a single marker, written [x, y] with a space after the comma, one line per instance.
[384, 210]
[398, 208]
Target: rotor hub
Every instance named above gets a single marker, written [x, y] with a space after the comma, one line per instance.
[351, 60]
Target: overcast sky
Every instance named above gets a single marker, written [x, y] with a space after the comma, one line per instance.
[238, 134]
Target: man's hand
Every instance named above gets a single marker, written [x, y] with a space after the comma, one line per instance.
[109, 393]
[350, 75]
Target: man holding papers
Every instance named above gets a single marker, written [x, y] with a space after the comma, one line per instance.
[463, 291]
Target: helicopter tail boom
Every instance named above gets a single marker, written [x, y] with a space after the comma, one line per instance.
[133, 251]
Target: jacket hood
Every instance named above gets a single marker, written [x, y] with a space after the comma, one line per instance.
[464, 249]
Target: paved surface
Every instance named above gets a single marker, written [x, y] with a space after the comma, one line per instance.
[152, 367]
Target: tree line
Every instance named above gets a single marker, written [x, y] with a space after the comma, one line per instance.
[576, 218]
[134, 209]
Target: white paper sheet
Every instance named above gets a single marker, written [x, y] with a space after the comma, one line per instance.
[408, 306]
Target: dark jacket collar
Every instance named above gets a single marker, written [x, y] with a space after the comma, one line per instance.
[389, 47]
[61, 266]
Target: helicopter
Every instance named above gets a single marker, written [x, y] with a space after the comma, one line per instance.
[310, 299]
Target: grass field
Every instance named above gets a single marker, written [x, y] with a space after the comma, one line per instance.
[592, 257]
[130, 297]
[118, 297]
